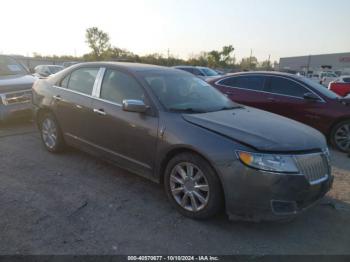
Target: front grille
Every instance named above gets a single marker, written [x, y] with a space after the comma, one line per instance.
[315, 167]
[17, 97]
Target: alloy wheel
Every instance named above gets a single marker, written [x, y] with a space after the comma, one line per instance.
[189, 187]
[49, 133]
[342, 137]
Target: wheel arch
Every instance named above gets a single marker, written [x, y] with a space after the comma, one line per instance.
[179, 150]
[335, 123]
[40, 112]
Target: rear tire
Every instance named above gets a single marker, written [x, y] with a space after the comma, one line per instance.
[193, 187]
[340, 136]
[51, 134]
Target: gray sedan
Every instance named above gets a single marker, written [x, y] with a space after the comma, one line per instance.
[177, 130]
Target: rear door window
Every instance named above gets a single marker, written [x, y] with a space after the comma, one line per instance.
[255, 83]
[64, 82]
[82, 80]
[284, 86]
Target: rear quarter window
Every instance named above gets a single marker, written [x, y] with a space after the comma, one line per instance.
[255, 83]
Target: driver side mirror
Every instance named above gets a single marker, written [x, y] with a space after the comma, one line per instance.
[137, 106]
[311, 97]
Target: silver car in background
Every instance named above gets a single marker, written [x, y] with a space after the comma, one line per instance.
[15, 89]
[47, 70]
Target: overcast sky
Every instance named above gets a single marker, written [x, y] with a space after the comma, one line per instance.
[269, 27]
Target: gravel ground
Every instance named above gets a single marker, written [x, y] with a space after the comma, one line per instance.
[73, 203]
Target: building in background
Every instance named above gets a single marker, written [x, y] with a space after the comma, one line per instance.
[339, 63]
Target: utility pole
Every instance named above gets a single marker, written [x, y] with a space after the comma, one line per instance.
[269, 63]
[168, 57]
[250, 59]
[308, 64]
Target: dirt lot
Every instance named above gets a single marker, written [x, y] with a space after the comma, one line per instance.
[75, 204]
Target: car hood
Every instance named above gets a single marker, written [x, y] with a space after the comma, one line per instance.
[16, 83]
[261, 130]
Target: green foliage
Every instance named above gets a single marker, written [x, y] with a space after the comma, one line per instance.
[98, 41]
[221, 58]
[101, 49]
[266, 65]
[249, 63]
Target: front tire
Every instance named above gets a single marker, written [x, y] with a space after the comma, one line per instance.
[193, 187]
[340, 136]
[51, 134]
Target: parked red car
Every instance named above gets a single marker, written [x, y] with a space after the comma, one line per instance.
[341, 86]
[295, 97]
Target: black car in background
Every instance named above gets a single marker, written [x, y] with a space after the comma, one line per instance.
[15, 89]
[174, 128]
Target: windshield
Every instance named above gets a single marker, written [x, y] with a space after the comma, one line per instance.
[320, 88]
[9, 66]
[208, 71]
[180, 92]
[328, 74]
[55, 69]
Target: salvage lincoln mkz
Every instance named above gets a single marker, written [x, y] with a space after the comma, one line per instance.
[175, 129]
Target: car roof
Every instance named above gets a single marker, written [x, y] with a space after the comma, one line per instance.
[269, 73]
[187, 66]
[273, 73]
[134, 67]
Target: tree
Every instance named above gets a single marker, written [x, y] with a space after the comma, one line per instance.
[221, 58]
[98, 41]
[266, 65]
[214, 58]
[226, 55]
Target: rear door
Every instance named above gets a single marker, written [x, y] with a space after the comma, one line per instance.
[247, 90]
[127, 138]
[287, 99]
[73, 99]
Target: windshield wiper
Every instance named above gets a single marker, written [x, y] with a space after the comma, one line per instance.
[186, 110]
[7, 74]
[230, 107]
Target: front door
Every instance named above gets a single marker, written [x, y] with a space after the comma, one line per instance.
[128, 138]
[287, 99]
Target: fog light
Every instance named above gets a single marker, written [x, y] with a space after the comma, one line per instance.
[283, 207]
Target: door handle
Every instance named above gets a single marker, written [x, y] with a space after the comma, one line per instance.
[78, 106]
[57, 98]
[100, 112]
[271, 99]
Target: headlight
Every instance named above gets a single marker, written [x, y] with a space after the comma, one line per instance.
[269, 162]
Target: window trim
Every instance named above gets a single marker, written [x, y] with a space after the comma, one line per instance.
[266, 92]
[60, 82]
[218, 83]
[97, 87]
[298, 83]
[74, 91]
[268, 86]
[95, 82]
